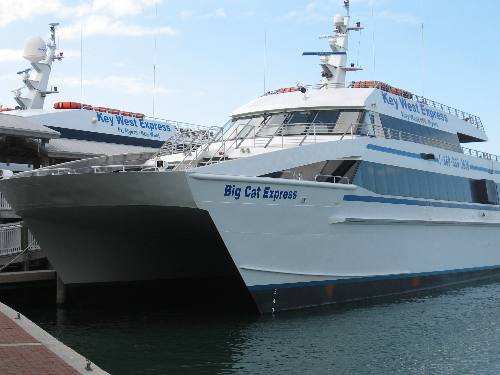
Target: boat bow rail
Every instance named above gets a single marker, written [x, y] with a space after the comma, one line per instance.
[272, 137]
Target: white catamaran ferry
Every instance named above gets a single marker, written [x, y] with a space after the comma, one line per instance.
[71, 130]
[310, 195]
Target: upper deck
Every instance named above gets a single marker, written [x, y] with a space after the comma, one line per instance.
[371, 96]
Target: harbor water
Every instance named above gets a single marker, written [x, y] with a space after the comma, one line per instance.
[452, 331]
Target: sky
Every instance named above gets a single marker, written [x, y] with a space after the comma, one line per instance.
[211, 57]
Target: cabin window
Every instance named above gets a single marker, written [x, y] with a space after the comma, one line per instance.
[325, 121]
[396, 181]
[298, 123]
[272, 124]
[341, 171]
[409, 131]
[391, 180]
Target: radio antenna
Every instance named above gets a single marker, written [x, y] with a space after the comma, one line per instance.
[81, 61]
[265, 59]
[373, 44]
[423, 60]
[154, 61]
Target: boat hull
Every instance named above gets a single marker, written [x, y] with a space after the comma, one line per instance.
[309, 247]
[325, 246]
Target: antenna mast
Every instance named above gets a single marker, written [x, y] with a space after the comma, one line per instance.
[40, 55]
[334, 63]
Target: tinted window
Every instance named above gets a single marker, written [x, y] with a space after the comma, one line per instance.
[413, 132]
[391, 180]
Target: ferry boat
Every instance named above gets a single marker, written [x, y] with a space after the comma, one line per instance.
[73, 130]
[310, 195]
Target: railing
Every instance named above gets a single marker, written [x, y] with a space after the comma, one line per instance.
[469, 117]
[220, 146]
[299, 134]
[388, 133]
[306, 87]
[4, 205]
[11, 241]
[473, 119]
[480, 154]
[187, 140]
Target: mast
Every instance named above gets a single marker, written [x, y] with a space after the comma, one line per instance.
[334, 63]
[41, 56]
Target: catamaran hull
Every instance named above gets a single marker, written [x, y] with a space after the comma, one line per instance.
[331, 243]
[314, 245]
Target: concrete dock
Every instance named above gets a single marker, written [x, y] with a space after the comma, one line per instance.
[25, 348]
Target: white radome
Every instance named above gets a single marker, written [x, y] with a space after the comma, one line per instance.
[35, 49]
[338, 20]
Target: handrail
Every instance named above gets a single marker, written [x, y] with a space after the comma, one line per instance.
[215, 149]
[4, 205]
[11, 239]
[480, 154]
[469, 117]
[466, 116]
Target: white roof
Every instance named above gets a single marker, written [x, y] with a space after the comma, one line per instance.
[22, 127]
[317, 99]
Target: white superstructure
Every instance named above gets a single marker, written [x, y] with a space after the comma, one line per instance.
[309, 195]
[79, 130]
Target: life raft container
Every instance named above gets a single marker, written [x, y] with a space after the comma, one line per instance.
[382, 86]
[101, 109]
[67, 105]
[75, 105]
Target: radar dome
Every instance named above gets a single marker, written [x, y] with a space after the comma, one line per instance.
[35, 49]
[338, 20]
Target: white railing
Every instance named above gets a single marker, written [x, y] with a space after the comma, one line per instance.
[32, 242]
[480, 154]
[4, 205]
[473, 119]
[220, 146]
[466, 116]
[301, 88]
[11, 240]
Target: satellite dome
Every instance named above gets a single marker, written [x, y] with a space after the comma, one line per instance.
[338, 20]
[35, 49]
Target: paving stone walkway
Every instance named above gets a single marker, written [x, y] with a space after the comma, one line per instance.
[21, 354]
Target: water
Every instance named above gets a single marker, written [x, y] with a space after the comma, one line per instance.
[456, 331]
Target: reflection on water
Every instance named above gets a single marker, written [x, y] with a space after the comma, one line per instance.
[457, 331]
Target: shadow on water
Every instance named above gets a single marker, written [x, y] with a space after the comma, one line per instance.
[439, 331]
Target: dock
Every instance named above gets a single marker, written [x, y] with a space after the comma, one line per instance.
[25, 348]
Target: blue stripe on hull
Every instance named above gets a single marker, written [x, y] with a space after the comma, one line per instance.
[371, 278]
[416, 202]
[83, 135]
[278, 297]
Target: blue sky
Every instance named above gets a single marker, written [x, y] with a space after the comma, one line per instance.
[210, 55]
